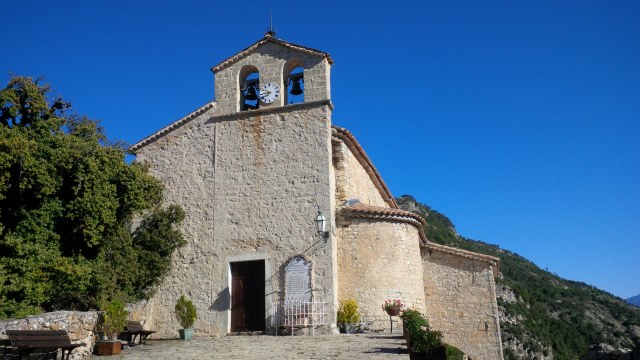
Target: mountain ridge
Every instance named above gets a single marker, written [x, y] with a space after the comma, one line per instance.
[542, 315]
[634, 300]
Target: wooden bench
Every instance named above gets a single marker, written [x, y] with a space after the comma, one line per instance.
[5, 344]
[133, 329]
[26, 341]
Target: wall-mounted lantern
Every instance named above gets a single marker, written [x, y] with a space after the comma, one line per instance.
[321, 225]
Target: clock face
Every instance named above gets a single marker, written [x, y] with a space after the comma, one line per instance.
[269, 92]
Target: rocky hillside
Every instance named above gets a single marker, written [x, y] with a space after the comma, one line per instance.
[634, 300]
[542, 315]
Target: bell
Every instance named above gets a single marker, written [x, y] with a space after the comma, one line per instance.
[251, 93]
[296, 89]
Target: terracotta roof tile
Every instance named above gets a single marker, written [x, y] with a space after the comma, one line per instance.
[390, 214]
[387, 214]
[494, 261]
[378, 210]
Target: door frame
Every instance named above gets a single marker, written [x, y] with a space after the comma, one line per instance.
[267, 275]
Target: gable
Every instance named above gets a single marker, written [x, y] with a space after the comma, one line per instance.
[266, 40]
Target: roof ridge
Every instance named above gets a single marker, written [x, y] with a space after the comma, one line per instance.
[245, 52]
[174, 125]
[494, 261]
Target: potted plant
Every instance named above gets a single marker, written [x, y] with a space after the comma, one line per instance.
[186, 315]
[393, 307]
[348, 316]
[114, 319]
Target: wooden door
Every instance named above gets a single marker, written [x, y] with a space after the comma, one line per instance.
[238, 315]
[247, 296]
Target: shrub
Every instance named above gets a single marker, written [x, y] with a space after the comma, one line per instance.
[185, 312]
[453, 353]
[421, 338]
[114, 319]
[426, 340]
[413, 320]
[348, 312]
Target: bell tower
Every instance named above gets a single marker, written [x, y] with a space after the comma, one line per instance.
[271, 146]
[271, 73]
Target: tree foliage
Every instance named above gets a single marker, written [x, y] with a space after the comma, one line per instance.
[67, 202]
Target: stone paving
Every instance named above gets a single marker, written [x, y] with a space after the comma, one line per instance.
[358, 346]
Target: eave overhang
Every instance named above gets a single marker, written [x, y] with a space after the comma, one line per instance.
[386, 214]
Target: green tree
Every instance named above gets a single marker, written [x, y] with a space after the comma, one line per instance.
[67, 202]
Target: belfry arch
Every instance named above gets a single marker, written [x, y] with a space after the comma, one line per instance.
[293, 80]
[249, 82]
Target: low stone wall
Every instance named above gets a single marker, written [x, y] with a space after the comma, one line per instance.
[79, 325]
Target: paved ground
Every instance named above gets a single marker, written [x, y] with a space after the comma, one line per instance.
[360, 346]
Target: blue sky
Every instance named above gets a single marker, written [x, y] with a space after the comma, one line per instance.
[517, 119]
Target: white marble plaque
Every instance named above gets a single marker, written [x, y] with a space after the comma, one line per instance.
[298, 280]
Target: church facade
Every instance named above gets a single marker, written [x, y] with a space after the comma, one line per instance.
[286, 216]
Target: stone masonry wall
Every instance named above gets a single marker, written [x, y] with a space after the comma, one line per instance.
[352, 181]
[460, 301]
[270, 60]
[79, 325]
[250, 185]
[182, 160]
[379, 260]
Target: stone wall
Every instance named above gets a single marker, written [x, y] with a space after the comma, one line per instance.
[79, 325]
[251, 185]
[460, 296]
[182, 161]
[270, 60]
[352, 181]
[379, 260]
